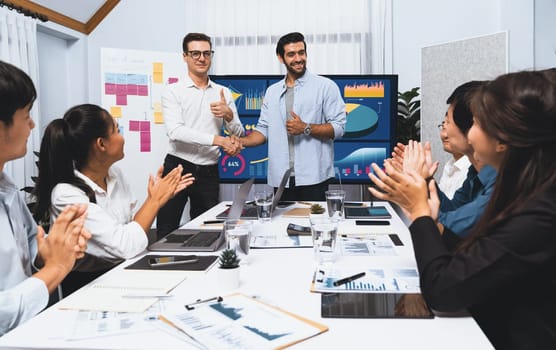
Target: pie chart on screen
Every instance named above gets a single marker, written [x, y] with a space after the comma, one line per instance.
[361, 120]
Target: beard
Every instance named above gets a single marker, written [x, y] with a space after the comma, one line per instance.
[293, 72]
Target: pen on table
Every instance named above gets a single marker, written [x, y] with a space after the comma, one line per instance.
[210, 222]
[199, 301]
[348, 279]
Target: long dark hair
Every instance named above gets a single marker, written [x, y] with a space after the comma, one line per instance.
[518, 110]
[66, 146]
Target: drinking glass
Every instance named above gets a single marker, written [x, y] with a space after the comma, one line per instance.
[335, 203]
[263, 200]
[324, 231]
[238, 237]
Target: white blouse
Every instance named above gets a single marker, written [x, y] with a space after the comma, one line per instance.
[114, 235]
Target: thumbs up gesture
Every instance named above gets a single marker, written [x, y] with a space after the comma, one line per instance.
[220, 108]
[295, 125]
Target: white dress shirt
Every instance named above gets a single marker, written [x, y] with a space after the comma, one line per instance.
[21, 296]
[453, 175]
[114, 235]
[191, 126]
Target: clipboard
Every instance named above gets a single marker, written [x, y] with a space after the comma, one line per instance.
[240, 315]
[297, 213]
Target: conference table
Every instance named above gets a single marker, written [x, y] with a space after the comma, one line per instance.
[280, 277]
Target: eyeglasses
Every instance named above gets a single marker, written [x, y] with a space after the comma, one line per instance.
[440, 126]
[197, 54]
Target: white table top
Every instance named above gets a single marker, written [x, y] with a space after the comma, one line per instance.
[281, 277]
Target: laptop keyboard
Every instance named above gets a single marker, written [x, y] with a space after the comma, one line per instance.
[202, 239]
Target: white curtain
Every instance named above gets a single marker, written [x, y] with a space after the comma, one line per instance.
[18, 46]
[343, 37]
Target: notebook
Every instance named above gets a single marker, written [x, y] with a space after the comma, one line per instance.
[250, 212]
[188, 240]
[202, 263]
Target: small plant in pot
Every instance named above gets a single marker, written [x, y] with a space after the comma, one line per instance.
[317, 209]
[228, 259]
[229, 269]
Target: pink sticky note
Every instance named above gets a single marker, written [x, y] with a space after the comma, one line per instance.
[142, 90]
[121, 89]
[172, 80]
[132, 89]
[145, 141]
[110, 89]
[145, 126]
[134, 125]
[121, 100]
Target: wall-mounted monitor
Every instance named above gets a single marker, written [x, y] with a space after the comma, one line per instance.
[371, 106]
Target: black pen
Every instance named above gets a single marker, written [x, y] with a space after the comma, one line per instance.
[199, 301]
[348, 279]
[213, 222]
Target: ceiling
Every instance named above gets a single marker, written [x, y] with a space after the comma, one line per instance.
[80, 15]
[80, 10]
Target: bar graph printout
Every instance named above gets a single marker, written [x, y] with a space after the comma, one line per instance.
[375, 280]
[241, 322]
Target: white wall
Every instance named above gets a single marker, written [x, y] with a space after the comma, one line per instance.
[140, 25]
[545, 33]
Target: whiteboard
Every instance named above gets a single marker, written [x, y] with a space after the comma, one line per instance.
[448, 65]
[132, 83]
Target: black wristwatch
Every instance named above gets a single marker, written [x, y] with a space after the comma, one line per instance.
[307, 131]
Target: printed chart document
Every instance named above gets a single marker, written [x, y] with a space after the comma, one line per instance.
[94, 324]
[124, 291]
[241, 322]
[375, 280]
[281, 241]
[367, 245]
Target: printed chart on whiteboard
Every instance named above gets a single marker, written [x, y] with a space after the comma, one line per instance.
[132, 83]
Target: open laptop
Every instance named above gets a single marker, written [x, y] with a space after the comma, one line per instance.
[188, 240]
[249, 212]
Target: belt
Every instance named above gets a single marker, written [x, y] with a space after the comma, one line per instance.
[192, 166]
[292, 181]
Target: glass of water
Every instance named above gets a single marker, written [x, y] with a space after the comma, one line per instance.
[238, 237]
[335, 203]
[263, 200]
[324, 231]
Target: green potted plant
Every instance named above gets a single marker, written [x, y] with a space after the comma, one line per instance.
[317, 209]
[409, 116]
[229, 269]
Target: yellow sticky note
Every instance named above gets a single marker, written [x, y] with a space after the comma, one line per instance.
[157, 77]
[157, 67]
[116, 112]
[158, 118]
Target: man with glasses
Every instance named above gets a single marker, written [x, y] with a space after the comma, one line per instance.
[195, 110]
[455, 169]
[300, 118]
[460, 213]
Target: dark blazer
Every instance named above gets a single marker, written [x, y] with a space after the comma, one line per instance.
[507, 279]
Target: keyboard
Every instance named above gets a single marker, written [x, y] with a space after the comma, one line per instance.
[202, 239]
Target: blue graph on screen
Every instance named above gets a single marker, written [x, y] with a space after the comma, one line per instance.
[353, 160]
